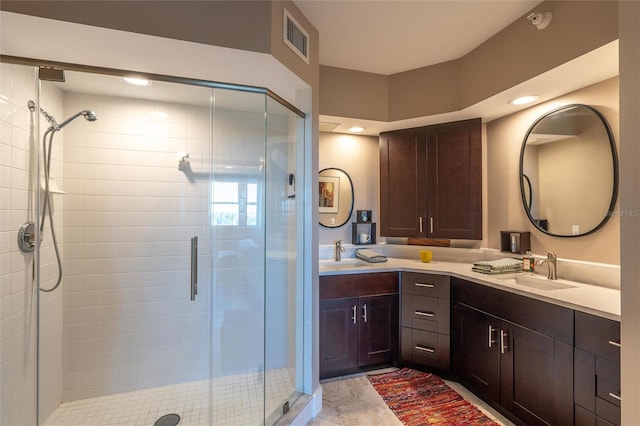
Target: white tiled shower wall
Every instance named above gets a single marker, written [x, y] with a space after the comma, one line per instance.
[129, 216]
[18, 309]
[128, 220]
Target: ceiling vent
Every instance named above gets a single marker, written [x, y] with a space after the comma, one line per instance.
[295, 37]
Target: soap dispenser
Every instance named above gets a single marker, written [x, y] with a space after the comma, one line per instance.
[528, 262]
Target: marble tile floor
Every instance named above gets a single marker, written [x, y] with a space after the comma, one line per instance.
[352, 401]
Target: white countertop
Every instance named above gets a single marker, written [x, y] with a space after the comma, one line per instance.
[592, 299]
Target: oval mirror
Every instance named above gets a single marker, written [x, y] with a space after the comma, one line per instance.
[569, 171]
[335, 197]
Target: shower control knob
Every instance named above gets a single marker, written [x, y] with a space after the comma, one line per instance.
[27, 237]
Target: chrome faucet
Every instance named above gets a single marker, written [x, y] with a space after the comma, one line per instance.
[339, 249]
[551, 262]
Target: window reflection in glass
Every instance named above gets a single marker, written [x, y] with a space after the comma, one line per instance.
[235, 204]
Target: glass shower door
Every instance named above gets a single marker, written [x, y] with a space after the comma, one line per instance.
[128, 337]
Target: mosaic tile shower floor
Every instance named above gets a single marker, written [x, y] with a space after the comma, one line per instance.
[237, 400]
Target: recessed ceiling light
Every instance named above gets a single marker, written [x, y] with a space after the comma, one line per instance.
[356, 129]
[136, 81]
[522, 100]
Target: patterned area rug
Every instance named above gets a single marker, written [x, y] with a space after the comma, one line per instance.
[419, 398]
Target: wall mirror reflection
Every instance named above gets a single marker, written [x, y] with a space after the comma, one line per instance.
[569, 171]
[335, 195]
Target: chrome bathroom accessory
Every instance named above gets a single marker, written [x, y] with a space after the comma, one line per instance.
[551, 262]
[46, 151]
[194, 267]
[27, 237]
[339, 249]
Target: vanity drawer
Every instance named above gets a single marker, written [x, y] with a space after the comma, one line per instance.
[425, 348]
[426, 284]
[607, 381]
[425, 313]
[600, 336]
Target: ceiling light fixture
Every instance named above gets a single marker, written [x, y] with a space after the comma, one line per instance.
[137, 81]
[356, 129]
[522, 100]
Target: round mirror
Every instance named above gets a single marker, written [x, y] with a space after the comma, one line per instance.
[335, 197]
[569, 171]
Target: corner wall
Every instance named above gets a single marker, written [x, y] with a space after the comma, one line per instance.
[505, 210]
[359, 156]
[630, 200]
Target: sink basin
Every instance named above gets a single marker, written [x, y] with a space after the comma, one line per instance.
[349, 262]
[539, 283]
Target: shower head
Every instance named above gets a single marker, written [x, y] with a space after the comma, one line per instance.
[88, 115]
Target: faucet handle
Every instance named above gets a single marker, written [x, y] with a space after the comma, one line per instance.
[550, 255]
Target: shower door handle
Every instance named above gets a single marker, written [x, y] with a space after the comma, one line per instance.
[194, 267]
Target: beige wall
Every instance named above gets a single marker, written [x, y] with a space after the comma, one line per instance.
[630, 201]
[249, 25]
[359, 157]
[516, 54]
[356, 94]
[505, 210]
[240, 25]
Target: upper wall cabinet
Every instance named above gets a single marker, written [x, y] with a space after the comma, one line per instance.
[431, 181]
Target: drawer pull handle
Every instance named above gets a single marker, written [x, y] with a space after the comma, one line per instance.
[424, 349]
[424, 314]
[491, 339]
[614, 396]
[364, 312]
[425, 285]
[503, 341]
[353, 317]
[616, 344]
[421, 225]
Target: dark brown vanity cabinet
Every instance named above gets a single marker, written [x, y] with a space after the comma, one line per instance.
[431, 181]
[597, 370]
[358, 321]
[425, 325]
[515, 352]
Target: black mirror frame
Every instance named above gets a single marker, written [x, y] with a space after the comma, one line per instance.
[352, 199]
[614, 157]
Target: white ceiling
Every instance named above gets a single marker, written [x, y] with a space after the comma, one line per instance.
[386, 37]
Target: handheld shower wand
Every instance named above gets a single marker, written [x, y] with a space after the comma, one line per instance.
[46, 151]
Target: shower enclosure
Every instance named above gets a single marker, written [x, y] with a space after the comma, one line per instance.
[177, 224]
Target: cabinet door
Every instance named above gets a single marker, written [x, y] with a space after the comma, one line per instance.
[338, 334]
[536, 376]
[403, 203]
[454, 180]
[378, 329]
[476, 350]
